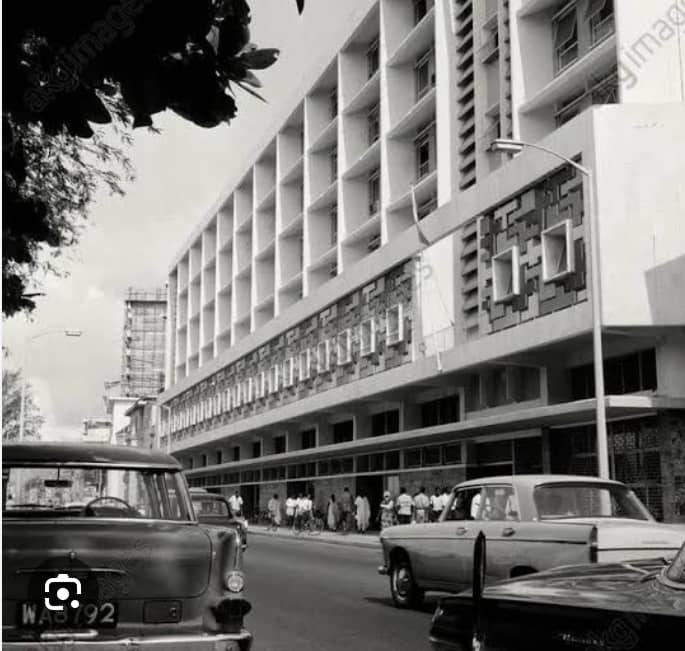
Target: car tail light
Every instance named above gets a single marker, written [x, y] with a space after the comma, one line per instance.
[234, 581]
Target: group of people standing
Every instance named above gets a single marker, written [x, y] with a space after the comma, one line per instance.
[348, 513]
[406, 509]
[298, 510]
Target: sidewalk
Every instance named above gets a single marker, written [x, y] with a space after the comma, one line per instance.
[368, 541]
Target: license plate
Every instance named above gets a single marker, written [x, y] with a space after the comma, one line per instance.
[31, 614]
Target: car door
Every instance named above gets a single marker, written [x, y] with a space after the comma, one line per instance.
[448, 547]
[499, 519]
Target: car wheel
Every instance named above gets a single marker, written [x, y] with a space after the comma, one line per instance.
[405, 593]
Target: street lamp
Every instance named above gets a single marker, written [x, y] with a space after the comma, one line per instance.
[504, 145]
[29, 341]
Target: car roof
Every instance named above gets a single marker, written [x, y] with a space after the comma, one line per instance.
[198, 492]
[90, 454]
[530, 481]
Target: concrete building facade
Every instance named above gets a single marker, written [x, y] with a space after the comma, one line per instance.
[320, 337]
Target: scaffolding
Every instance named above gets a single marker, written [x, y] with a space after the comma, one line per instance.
[142, 362]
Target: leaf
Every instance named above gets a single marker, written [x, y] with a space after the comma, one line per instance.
[260, 59]
[251, 78]
[252, 92]
[300, 6]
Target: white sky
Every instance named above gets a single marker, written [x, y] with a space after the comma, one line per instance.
[130, 241]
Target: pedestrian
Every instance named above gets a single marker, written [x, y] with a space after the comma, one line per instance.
[436, 505]
[404, 506]
[299, 511]
[290, 506]
[307, 508]
[235, 503]
[274, 507]
[346, 510]
[363, 514]
[332, 514]
[386, 511]
[445, 497]
[421, 506]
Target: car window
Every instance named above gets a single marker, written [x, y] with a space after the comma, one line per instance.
[210, 507]
[497, 503]
[588, 500]
[463, 504]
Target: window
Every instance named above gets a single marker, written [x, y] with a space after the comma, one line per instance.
[464, 504]
[238, 395]
[334, 163]
[432, 455]
[596, 91]
[505, 275]
[288, 372]
[333, 269]
[565, 26]
[557, 251]
[372, 58]
[333, 103]
[394, 333]
[343, 432]
[427, 207]
[600, 16]
[248, 390]
[203, 460]
[421, 8]
[374, 192]
[424, 146]
[344, 348]
[374, 123]
[374, 242]
[385, 422]
[451, 453]
[256, 449]
[367, 338]
[625, 374]
[219, 457]
[308, 439]
[497, 503]
[279, 444]
[413, 458]
[323, 356]
[235, 453]
[274, 376]
[440, 411]
[334, 225]
[262, 384]
[305, 365]
[424, 74]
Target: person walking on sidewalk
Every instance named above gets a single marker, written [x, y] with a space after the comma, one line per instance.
[445, 497]
[235, 503]
[405, 507]
[290, 506]
[386, 511]
[421, 506]
[436, 505]
[274, 507]
[346, 510]
[332, 514]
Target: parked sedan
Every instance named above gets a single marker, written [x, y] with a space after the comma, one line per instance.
[101, 547]
[212, 508]
[532, 523]
[637, 605]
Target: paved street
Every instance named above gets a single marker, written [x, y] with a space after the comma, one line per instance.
[309, 595]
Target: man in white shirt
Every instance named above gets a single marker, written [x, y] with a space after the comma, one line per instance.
[421, 505]
[235, 502]
[405, 506]
[290, 506]
[445, 496]
[437, 505]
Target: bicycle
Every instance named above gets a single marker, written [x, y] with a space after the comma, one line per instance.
[312, 525]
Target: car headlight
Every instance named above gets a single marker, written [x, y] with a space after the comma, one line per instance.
[235, 581]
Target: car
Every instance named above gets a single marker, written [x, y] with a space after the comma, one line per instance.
[532, 522]
[636, 605]
[132, 567]
[212, 508]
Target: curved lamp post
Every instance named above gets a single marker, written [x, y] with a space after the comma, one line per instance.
[503, 145]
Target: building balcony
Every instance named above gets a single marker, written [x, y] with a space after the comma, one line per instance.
[295, 172]
[363, 232]
[268, 201]
[267, 251]
[325, 259]
[327, 198]
[415, 43]
[368, 161]
[422, 190]
[293, 227]
[368, 95]
[327, 138]
[420, 113]
[245, 224]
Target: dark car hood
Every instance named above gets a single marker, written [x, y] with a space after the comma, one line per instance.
[617, 586]
[127, 559]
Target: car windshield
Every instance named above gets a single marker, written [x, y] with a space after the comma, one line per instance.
[676, 571]
[559, 501]
[102, 492]
[209, 506]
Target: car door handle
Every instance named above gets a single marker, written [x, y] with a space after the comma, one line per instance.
[461, 531]
[508, 531]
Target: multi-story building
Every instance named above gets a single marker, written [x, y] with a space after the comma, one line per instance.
[142, 358]
[382, 300]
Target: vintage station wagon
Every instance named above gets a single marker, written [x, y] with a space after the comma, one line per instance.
[101, 547]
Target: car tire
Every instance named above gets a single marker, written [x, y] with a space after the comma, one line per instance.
[405, 593]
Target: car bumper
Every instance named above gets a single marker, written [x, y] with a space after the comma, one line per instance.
[218, 642]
